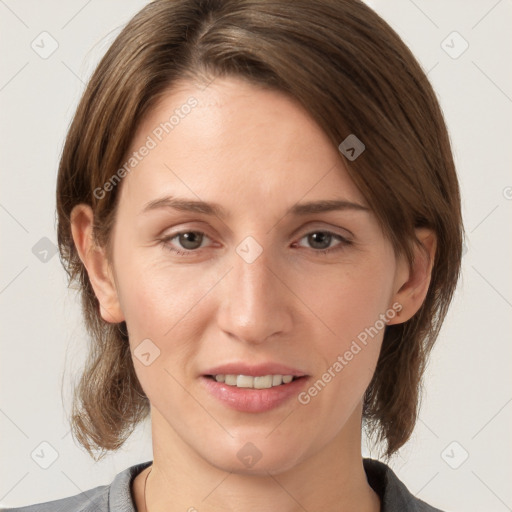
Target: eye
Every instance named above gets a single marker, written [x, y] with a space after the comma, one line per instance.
[188, 240]
[321, 241]
[187, 243]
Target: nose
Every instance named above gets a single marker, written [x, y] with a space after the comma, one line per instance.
[255, 302]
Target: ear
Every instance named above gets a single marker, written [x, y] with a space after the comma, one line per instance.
[411, 284]
[95, 261]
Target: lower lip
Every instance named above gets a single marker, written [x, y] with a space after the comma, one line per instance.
[253, 400]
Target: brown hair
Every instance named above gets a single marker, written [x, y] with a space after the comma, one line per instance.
[354, 75]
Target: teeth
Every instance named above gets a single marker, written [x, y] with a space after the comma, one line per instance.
[247, 381]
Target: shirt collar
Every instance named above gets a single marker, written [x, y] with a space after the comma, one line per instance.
[120, 495]
[393, 494]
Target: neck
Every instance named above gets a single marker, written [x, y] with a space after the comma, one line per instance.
[332, 479]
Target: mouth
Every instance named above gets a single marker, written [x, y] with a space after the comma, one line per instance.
[254, 382]
[257, 393]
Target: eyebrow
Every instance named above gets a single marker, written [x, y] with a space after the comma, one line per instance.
[192, 205]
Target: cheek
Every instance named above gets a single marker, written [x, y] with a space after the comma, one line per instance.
[165, 305]
[348, 300]
[165, 318]
[351, 307]
[154, 295]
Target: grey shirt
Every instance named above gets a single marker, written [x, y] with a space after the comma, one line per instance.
[117, 496]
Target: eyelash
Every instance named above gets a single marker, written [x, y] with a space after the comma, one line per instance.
[325, 252]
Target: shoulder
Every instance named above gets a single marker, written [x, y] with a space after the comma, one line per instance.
[104, 498]
[92, 500]
[394, 495]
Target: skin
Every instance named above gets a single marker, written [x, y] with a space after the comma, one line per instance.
[258, 154]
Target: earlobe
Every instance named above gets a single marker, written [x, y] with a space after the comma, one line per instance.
[96, 263]
[412, 284]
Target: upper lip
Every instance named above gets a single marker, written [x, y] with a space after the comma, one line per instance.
[254, 370]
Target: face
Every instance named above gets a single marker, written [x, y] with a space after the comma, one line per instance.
[256, 280]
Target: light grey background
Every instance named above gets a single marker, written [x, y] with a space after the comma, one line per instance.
[467, 406]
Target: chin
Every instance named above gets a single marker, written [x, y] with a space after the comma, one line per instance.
[256, 458]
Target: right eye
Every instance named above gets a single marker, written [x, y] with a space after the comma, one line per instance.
[190, 242]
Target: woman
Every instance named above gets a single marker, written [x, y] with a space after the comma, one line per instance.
[259, 203]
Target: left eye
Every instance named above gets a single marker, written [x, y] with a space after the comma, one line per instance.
[191, 241]
[321, 240]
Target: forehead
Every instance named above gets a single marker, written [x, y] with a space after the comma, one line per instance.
[235, 141]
